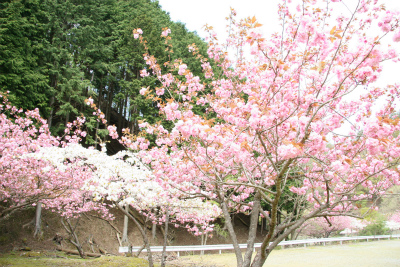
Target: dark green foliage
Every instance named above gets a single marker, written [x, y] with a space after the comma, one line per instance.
[377, 227]
[22, 29]
[56, 53]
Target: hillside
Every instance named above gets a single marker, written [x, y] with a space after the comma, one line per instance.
[17, 233]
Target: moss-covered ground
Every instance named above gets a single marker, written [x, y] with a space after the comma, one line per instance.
[58, 259]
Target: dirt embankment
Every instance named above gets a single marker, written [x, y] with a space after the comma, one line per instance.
[96, 234]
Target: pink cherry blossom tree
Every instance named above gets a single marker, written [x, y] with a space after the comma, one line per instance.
[28, 179]
[295, 112]
[25, 181]
[393, 222]
[62, 176]
[395, 217]
[323, 227]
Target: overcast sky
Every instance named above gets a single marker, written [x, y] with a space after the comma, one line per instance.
[195, 14]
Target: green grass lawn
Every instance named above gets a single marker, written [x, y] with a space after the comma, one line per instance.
[58, 259]
[362, 254]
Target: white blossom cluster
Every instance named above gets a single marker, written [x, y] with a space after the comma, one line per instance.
[112, 177]
[125, 180]
[392, 225]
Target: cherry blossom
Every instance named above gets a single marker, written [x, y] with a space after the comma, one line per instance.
[26, 179]
[275, 117]
[323, 227]
[124, 180]
[166, 32]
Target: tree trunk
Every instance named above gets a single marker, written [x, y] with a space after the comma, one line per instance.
[232, 234]
[72, 233]
[125, 240]
[154, 227]
[259, 260]
[143, 233]
[110, 96]
[68, 113]
[203, 242]
[99, 103]
[124, 115]
[120, 110]
[50, 119]
[293, 235]
[38, 220]
[96, 255]
[252, 230]
[153, 231]
[163, 256]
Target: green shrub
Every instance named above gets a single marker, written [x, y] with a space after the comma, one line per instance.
[220, 231]
[375, 228]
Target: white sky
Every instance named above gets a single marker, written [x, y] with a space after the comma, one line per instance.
[195, 14]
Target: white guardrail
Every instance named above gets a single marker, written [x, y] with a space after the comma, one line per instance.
[221, 247]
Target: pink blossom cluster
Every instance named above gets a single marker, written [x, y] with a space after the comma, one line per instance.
[323, 227]
[395, 217]
[28, 179]
[277, 114]
[386, 20]
[166, 32]
[112, 131]
[137, 33]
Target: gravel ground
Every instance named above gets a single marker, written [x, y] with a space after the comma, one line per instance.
[365, 254]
